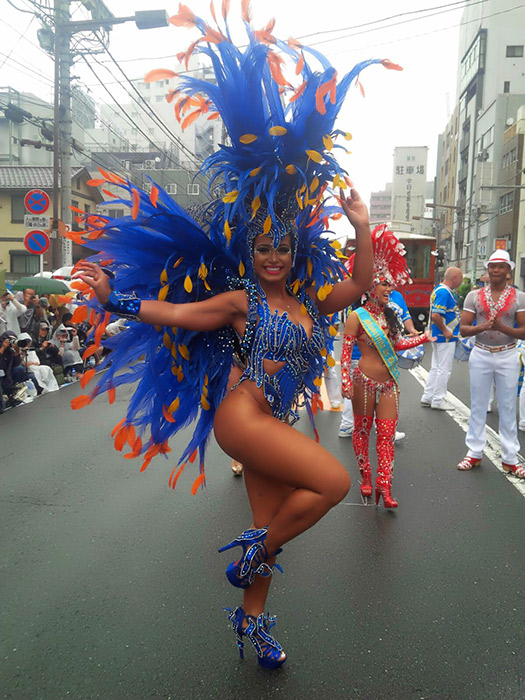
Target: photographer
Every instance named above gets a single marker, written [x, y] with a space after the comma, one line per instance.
[12, 374]
[41, 375]
[10, 310]
[35, 313]
[66, 340]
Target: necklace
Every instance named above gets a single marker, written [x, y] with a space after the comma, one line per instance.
[495, 308]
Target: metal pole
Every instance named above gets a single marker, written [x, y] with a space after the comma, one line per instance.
[66, 123]
[475, 245]
[55, 240]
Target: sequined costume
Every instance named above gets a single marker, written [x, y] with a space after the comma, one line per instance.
[276, 174]
[374, 330]
[274, 337]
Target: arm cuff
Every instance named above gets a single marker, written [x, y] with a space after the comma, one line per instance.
[126, 305]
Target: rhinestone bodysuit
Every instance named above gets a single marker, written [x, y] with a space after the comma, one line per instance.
[272, 336]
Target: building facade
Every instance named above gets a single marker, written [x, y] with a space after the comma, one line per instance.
[409, 185]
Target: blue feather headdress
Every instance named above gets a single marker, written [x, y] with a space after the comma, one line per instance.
[275, 176]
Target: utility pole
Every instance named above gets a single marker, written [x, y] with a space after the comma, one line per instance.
[477, 211]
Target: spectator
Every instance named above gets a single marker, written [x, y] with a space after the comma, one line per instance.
[41, 375]
[34, 315]
[10, 311]
[66, 340]
[11, 373]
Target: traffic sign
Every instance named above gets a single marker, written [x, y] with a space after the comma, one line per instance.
[36, 242]
[36, 201]
[36, 221]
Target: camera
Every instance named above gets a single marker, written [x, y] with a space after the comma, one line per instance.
[23, 343]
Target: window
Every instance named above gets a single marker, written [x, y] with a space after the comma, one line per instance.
[506, 86]
[17, 209]
[87, 208]
[193, 189]
[514, 52]
[74, 224]
[117, 213]
[24, 263]
[506, 203]
[171, 188]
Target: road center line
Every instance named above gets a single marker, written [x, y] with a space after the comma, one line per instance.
[461, 415]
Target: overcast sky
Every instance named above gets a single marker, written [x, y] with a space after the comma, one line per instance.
[399, 109]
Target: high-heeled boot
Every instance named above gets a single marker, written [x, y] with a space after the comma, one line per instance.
[254, 558]
[269, 652]
[386, 435]
[360, 443]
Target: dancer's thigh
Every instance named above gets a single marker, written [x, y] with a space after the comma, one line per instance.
[386, 408]
[363, 402]
[275, 450]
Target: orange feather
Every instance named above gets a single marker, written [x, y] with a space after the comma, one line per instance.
[190, 119]
[96, 182]
[246, 11]
[80, 401]
[199, 481]
[90, 350]
[391, 66]
[159, 74]
[184, 17]
[87, 377]
[111, 395]
[136, 203]
[79, 314]
[193, 456]
[300, 65]
[175, 477]
[225, 8]
[167, 415]
[109, 194]
[154, 195]
[117, 427]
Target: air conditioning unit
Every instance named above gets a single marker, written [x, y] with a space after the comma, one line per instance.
[149, 165]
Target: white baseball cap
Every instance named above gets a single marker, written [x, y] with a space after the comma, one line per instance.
[500, 256]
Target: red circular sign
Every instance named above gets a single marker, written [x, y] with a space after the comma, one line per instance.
[36, 242]
[36, 201]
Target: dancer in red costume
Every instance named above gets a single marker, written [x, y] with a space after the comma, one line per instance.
[373, 387]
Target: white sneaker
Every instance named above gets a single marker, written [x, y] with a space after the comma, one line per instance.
[521, 427]
[443, 406]
[346, 432]
[425, 402]
[400, 435]
[336, 404]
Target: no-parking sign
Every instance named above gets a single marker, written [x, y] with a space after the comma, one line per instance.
[36, 201]
[36, 242]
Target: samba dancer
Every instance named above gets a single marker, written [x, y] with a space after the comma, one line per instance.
[251, 276]
[373, 385]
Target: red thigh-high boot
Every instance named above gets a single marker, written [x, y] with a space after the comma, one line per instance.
[386, 435]
[360, 441]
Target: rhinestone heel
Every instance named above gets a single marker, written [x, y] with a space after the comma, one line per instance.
[269, 651]
[254, 558]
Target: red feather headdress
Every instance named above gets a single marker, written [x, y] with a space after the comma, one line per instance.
[389, 258]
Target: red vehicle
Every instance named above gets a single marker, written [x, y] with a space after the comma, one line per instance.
[421, 259]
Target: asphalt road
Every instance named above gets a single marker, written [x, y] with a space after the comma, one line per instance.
[111, 585]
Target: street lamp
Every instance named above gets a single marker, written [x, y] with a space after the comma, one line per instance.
[146, 19]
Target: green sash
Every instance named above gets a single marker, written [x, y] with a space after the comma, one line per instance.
[381, 341]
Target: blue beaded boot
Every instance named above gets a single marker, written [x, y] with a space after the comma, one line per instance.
[269, 651]
[253, 561]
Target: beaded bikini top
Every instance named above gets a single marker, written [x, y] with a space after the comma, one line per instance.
[272, 336]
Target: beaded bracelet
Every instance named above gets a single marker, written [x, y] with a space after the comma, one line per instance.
[125, 305]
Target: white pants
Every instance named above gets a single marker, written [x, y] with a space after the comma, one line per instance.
[333, 384]
[45, 377]
[522, 407]
[347, 419]
[440, 370]
[502, 369]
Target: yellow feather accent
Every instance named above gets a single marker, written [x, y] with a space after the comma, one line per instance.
[207, 286]
[180, 375]
[183, 351]
[204, 403]
[330, 361]
[174, 369]
[227, 231]
[205, 380]
[302, 189]
[304, 310]
[348, 153]
[299, 200]
[241, 269]
[333, 331]
[167, 341]
[277, 131]
[256, 204]
[323, 352]
[174, 353]
[315, 156]
[163, 292]
[296, 286]
[321, 294]
[336, 244]
[164, 277]
[174, 330]
[174, 405]
[248, 138]
[203, 271]
[157, 328]
[230, 197]
[309, 267]
[176, 264]
[188, 284]
[348, 136]
[328, 143]
[318, 381]
[314, 185]
[267, 225]
[291, 169]
[255, 171]
[204, 390]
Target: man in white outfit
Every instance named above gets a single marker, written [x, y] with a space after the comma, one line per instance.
[10, 311]
[444, 314]
[498, 311]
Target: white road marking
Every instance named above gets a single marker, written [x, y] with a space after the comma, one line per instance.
[461, 414]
